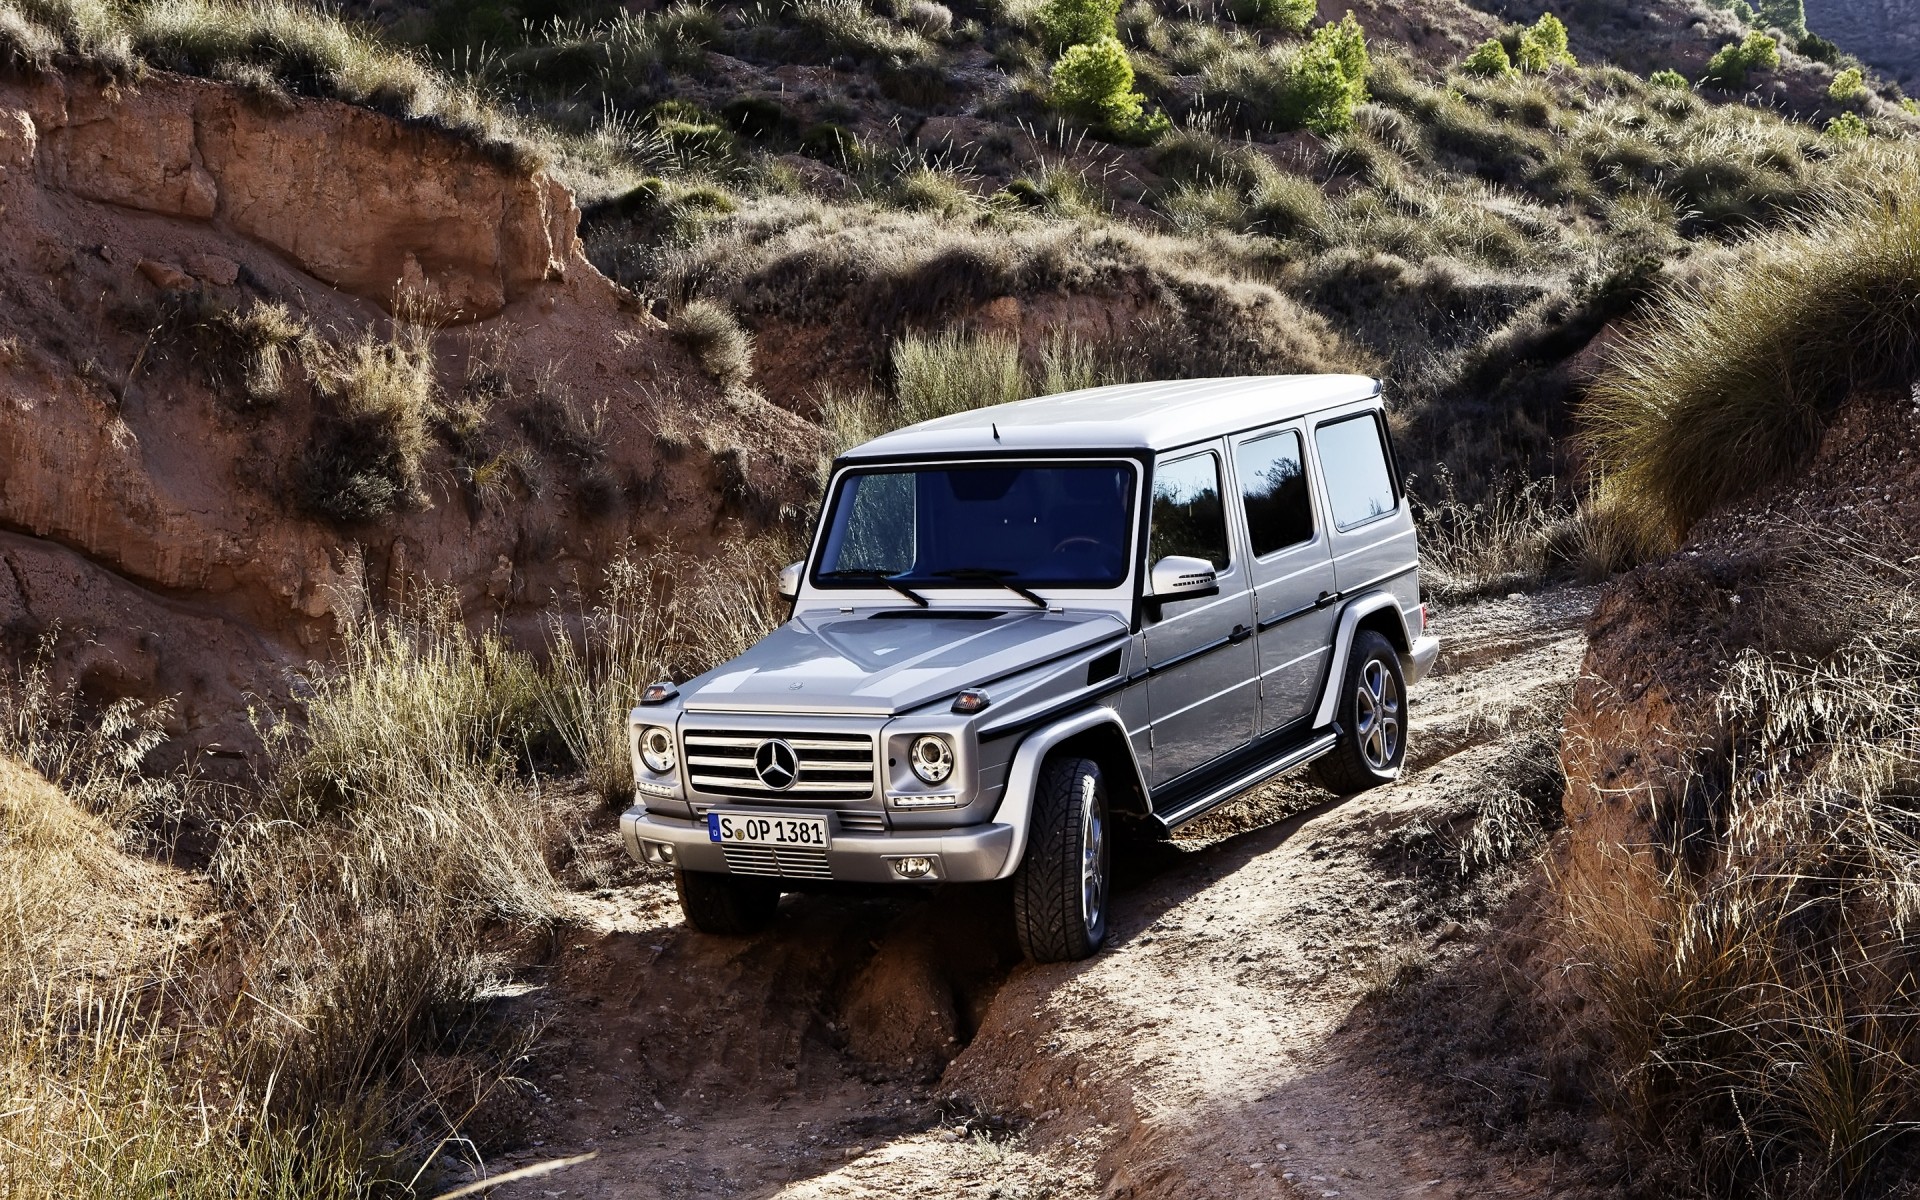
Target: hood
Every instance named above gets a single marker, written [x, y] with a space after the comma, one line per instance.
[882, 663]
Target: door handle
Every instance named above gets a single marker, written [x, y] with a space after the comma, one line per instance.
[1323, 599]
[1240, 634]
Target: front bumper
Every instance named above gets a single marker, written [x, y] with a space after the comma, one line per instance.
[972, 854]
[1420, 658]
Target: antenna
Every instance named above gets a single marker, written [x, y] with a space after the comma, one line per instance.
[996, 429]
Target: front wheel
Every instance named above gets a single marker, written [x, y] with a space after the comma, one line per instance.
[1060, 890]
[726, 904]
[1373, 720]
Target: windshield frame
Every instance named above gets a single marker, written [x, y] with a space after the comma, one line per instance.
[837, 494]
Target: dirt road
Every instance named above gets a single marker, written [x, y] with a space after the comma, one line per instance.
[896, 1047]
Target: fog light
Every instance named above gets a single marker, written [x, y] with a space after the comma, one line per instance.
[913, 867]
[660, 854]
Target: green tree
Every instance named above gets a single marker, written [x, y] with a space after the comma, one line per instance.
[1488, 60]
[1544, 46]
[1066, 23]
[1094, 81]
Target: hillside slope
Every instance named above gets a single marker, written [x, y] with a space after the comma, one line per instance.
[218, 441]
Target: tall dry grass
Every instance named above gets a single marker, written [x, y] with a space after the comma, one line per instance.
[665, 615]
[1758, 985]
[1726, 386]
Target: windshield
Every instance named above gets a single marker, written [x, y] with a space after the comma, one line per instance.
[1030, 524]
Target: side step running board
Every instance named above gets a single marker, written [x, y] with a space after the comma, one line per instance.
[1304, 753]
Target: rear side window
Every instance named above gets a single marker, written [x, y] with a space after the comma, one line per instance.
[1273, 485]
[1188, 517]
[1353, 461]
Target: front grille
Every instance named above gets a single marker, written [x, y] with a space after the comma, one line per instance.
[833, 766]
[796, 862]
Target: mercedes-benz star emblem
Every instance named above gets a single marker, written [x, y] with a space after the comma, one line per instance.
[776, 764]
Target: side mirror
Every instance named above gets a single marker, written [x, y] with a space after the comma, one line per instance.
[790, 580]
[1177, 577]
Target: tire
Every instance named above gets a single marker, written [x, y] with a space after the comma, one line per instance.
[1062, 888]
[726, 905]
[1373, 720]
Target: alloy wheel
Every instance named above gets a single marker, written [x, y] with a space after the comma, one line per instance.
[1378, 723]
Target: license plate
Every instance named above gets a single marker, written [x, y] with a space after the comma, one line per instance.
[753, 829]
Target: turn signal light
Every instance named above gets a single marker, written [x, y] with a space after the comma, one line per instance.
[659, 693]
[970, 701]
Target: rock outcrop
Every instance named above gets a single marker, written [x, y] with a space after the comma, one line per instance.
[155, 530]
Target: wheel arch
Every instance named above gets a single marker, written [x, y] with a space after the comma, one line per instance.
[1096, 733]
[1376, 611]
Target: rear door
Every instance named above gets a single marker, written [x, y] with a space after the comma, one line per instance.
[1291, 568]
[1371, 525]
[1201, 684]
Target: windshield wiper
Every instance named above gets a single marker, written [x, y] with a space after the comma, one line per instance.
[989, 575]
[878, 577]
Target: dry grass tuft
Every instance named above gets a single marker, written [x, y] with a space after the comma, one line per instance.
[1506, 541]
[1727, 386]
[714, 336]
[666, 615]
[369, 458]
[1760, 1018]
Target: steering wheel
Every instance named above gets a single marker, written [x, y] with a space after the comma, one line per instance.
[1078, 540]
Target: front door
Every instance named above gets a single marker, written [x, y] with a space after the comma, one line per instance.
[1201, 685]
[1292, 572]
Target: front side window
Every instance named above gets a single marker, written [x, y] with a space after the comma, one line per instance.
[1188, 517]
[1353, 462]
[1035, 524]
[1273, 485]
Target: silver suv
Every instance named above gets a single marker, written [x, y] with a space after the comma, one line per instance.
[1020, 625]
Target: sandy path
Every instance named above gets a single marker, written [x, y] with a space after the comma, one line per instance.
[1195, 1057]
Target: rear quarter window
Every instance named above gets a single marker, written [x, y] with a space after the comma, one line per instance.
[1353, 461]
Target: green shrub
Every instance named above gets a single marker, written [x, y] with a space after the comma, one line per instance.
[1726, 387]
[1349, 44]
[1849, 85]
[1094, 81]
[1065, 23]
[1670, 79]
[1322, 83]
[1910, 105]
[1489, 60]
[1292, 16]
[1317, 96]
[1544, 46]
[1848, 127]
[1731, 64]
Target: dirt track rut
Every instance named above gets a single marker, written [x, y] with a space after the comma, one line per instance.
[1202, 1054]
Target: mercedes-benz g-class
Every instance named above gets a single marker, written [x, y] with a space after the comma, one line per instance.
[1020, 625]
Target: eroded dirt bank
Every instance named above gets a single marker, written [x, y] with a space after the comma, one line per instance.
[1199, 1055]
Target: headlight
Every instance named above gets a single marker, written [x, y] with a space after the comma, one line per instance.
[656, 749]
[931, 759]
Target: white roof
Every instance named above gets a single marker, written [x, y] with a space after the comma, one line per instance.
[1128, 416]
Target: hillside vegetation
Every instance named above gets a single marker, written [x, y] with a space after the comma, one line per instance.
[871, 214]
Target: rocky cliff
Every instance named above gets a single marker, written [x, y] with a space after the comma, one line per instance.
[152, 522]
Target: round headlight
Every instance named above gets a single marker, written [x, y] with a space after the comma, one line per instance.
[931, 759]
[656, 749]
